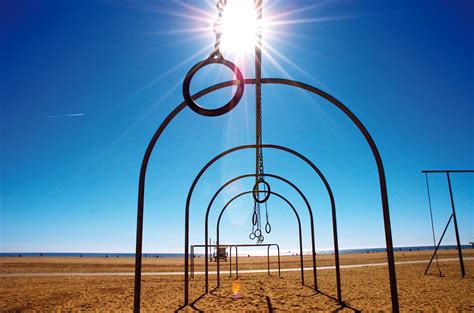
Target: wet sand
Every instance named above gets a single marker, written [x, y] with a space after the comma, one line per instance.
[363, 288]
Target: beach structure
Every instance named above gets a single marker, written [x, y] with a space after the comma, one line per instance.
[261, 190]
[452, 217]
[236, 246]
[220, 253]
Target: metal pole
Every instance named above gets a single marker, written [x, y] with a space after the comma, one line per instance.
[236, 263]
[279, 269]
[230, 261]
[268, 259]
[218, 261]
[439, 243]
[206, 261]
[192, 261]
[458, 242]
[448, 171]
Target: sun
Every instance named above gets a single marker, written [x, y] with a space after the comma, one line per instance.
[240, 27]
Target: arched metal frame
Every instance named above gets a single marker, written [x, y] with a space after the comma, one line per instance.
[300, 236]
[206, 223]
[280, 81]
[326, 184]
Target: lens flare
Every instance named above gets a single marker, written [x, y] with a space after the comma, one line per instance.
[235, 289]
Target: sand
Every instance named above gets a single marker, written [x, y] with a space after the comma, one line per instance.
[363, 288]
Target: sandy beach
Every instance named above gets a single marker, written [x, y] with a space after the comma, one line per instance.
[363, 287]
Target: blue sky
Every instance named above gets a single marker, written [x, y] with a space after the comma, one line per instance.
[84, 85]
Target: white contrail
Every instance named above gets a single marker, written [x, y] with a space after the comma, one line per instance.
[64, 115]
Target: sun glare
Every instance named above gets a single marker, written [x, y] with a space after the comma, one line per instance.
[239, 27]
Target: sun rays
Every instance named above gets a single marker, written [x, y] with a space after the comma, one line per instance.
[194, 26]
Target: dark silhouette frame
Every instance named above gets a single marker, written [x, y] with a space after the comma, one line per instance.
[278, 81]
[326, 184]
[451, 217]
[300, 236]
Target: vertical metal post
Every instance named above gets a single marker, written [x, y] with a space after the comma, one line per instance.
[279, 269]
[230, 261]
[461, 263]
[218, 260]
[268, 259]
[206, 257]
[192, 262]
[236, 263]
[138, 251]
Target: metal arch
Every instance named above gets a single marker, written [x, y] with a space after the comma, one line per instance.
[297, 218]
[314, 167]
[310, 212]
[332, 100]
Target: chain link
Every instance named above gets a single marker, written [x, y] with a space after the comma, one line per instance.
[220, 5]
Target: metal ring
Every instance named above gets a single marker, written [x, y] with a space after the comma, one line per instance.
[268, 228]
[252, 236]
[254, 218]
[255, 191]
[260, 239]
[257, 234]
[213, 59]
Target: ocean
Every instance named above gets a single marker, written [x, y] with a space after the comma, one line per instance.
[177, 255]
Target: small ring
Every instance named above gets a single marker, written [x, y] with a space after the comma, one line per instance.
[268, 228]
[260, 239]
[214, 58]
[257, 234]
[255, 191]
[252, 236]
[254, 218]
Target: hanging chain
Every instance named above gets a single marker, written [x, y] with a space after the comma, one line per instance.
[257, 233]
[259, 168]
[220, 5]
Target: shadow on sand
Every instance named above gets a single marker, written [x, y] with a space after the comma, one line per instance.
[342, 305]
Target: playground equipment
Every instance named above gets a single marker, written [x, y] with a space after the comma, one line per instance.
[261, 186]
[236, 246]
[452, 217]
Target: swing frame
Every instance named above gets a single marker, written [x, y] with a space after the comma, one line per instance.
[451, 217]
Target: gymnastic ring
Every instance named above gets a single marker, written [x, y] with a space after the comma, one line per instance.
[257, 234]
[252, 236]
[254, 218]
[268, 228]
[255, 191]
[260, 239]
[215, 58]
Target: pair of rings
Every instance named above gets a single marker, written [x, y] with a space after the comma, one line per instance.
[259, 238]
[257, 233]
[214, 58]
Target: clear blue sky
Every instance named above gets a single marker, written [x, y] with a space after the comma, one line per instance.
[84, 85]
